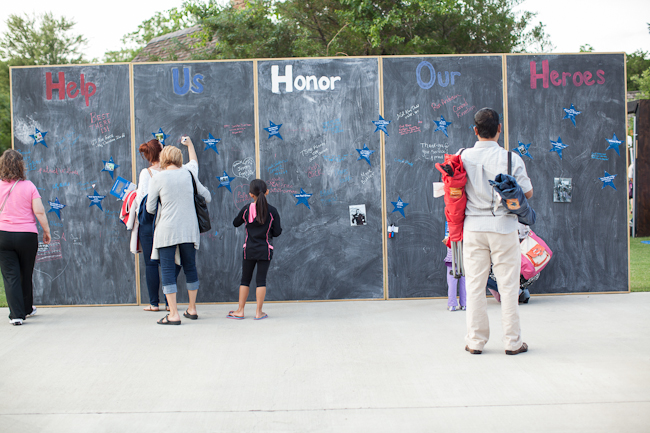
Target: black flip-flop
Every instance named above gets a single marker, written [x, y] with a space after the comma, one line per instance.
[168, 322]
[190, 316]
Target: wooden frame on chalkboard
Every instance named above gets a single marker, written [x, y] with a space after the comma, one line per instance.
[380, 59]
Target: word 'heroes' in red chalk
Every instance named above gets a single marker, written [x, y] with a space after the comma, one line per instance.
[578, 78]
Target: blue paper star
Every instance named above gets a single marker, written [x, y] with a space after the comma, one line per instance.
[365, 153]
[110, 166]
[571, 113]
[608, 179]
[56, 206]
[225, 181]
[442, 125]
[274, 129]
[211, 143]
[303, 198]
[558, 146]
[613, 144]
[160, 136]
[399, 206]
[96, 199]
[381, 125]
[523, 149]
[39, 137]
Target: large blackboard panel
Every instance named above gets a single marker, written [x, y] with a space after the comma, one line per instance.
[88, 260]
[219, 100]
[589, 235]
[415, 255]
[320, 255]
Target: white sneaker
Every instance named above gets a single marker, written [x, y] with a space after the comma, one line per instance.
[463, 308]
[16, 322]
[33, 313]
[451, 308]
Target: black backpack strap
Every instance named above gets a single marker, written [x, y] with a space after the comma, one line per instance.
[509, 163]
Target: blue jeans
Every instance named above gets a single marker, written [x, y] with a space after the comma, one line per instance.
[145, 233]
[169, 271]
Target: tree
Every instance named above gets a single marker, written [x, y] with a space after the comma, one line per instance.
[637, 63]
[35, 40]
[266, 28]
[40, 40]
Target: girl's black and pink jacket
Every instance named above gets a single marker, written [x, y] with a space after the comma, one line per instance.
[259, 237]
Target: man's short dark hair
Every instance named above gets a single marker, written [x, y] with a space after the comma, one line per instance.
[487, 122]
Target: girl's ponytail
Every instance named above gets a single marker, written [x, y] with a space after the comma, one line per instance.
[258, 189]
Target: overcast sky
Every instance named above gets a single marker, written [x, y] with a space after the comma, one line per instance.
[605, 25]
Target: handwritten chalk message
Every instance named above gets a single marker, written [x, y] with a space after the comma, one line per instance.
[415, 109]
[434, 151]
[408, 129]
[314, 152]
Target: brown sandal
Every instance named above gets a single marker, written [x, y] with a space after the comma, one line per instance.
[151, 308]
[522, 349]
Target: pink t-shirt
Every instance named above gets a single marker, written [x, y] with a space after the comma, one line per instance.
[18, 215]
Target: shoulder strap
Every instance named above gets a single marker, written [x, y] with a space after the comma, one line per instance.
[149, 170]
[7, 197]
[193, 183]
[509, 163]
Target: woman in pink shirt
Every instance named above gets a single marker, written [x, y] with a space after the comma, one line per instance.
[20, 202]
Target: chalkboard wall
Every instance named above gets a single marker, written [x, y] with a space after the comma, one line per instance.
[418, 92]
[579, 99]
[319, 127]
[83, 114]
[326, 108]
[204, 100]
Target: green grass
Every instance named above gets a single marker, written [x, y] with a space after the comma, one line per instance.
[639, 267]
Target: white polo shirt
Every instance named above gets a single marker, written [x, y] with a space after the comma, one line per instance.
[482, 163]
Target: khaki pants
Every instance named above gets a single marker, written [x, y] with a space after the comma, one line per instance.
[479, 250]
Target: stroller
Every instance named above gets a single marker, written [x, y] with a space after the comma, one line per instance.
[535, 255]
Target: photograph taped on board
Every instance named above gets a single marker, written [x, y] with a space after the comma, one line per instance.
[358, 215]
[562, 190]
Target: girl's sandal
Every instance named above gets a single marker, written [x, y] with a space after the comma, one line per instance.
[151, 308]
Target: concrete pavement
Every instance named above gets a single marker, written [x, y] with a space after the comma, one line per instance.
[380, 366]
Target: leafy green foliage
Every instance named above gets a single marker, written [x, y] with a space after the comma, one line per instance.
[312, 28]
[40, 40]
[637, 63]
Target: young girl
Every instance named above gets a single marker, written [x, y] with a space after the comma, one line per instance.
[454, 285]
[262, 225]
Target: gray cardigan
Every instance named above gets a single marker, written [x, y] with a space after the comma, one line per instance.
[176, 222]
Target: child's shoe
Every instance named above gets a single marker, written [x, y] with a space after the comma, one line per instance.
[451, 308]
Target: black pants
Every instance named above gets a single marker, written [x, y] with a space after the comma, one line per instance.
[17, 257]
[247, 272]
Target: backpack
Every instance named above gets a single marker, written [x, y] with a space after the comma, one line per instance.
[535, 255]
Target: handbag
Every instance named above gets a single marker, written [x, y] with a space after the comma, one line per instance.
[535, 255]
[202, 214]
[7, 197]
[512, 196]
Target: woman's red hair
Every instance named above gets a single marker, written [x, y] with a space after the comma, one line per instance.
[151, 150]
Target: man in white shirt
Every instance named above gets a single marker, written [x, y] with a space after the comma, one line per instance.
[490, 236]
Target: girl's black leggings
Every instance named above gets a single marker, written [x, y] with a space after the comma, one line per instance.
[247, 272]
